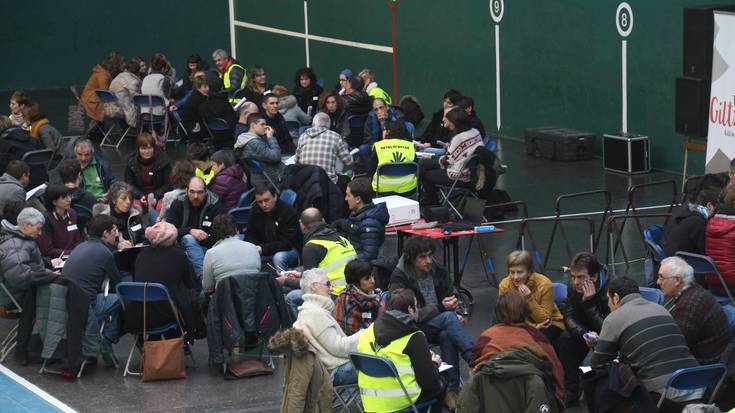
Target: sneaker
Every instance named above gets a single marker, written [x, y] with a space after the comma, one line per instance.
[108, 353]
[450, 399]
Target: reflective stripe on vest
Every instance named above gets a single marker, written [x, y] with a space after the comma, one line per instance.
[339, 253]
[385, 394]
[395, 150]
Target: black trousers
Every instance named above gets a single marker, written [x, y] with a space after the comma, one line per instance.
[433, 175]
[572, 352]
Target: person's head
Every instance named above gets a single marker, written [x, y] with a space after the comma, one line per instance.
[674, 276]
[120, 196]
[451, 97]
[223, 158]
[395, 130]
[367, 76]
[707, 197]
[257, 77]
[359, 193]
[70, 172]
[382, 112]
[193, 62]
[270, 104]
[344, 78]
[315, 281]
[403, 300]
[467, 104]
[32, 112]
[701, 408]
[201, 85]
[266, 197]
[354, 84]
[618, 288]
[279, 91]
[419, 252]
[310, 219]
[304, 78]
[18, 101]
[57, 198]
[181, 173]
[145, 146]
[104, 228]
[30, 222]
[330, 102]
[583, 269]
[20, 171]
[257, 124]
[245, 110]
[216, 84]
[224, 226]
[136, 66]
[520, 266]
[220, 58]
[5, 122]
[162, 235]
[159, 64]
[726, 198]
[359, 273]
[196, 191]
[411, 109]
[512, 308]
[12, 209]
[732, 170]
[321, 120]
[457, 120]
[198, 154]
[84, 151]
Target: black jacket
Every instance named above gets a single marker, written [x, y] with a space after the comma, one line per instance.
[581, 317]
[684, 231]
[161, 173]
[313, 254]
[308, 97]
[14, 143]
[217, 106]
[276, 232]
[186, 217]
[314, 189]
[436, 131]
[190, 108]
[404, 276]
[357, 103]
[280, 131]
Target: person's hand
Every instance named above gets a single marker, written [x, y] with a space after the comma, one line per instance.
[426, 155]
[590, 338]
[56, 262]
[588, 290]
[292, 274]
[269, 131]
[198, 234]
[281, 279]
[461, 319]
[172, 108]
[436, 358]
[543, 325]
[422, 146]
[260, 250]
[124, 244]
[143, 200]
[524, 290]
[450, 303]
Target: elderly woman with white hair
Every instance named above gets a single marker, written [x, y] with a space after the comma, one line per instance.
[700, 318]
[315, 319]
[21, 262]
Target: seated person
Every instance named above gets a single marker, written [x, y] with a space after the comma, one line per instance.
[585, 310]
[371, 86]
[273, 228]
[720, 241]
[512, 331]
[231, 72]
[70, 175]
[18, 100]
[129, 219]
[165, 262]
[382, 112]
[331, 103]
[356, 101]
[217, 106]
[124, 86]
[245, 110]
[277, 123]
[468, 105]
[88, 265]
[307, 90]
[645, 335]
[437, 303]
[436, 130]
[96, 171]
[188, 108]
[21, 262]
[13, 183]
[257, 85]
[14, 143]
[537, 289]
[322, 147]
[685, 230]
[60, 231]
[315, 320]
[40, 128]
[259, 144]
[181, 173]
[198, 154]
[288, 107]
[359, 304]
[148, 170]
[229, 255]
[367, 220]
[452, 166]
[397, 336]
[228, 181]
[700, 318]
[395, 146]
[192, 214]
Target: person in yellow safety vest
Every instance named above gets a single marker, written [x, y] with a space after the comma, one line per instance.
[232, 73]
[372, 88]
[198, 154]
[396, 336]
[394, 147]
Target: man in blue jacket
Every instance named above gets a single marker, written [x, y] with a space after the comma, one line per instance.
[367, 220]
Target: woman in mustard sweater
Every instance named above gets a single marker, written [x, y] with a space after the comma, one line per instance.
[538, 291]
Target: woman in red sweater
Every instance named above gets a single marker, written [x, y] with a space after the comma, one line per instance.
[719, 241]
[60, 233]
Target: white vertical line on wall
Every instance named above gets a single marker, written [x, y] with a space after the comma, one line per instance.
[233, 51]
[624, 60]
[497, 76]
[306, 32]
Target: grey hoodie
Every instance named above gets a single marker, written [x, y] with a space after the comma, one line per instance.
[250, 146]
[10, 190]
[291, 111]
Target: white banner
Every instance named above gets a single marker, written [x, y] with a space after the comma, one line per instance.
[721, 134]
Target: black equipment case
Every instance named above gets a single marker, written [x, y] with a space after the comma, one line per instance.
[562, 144]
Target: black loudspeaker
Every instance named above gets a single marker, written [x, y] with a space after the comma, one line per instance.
[692, 108]
[698, 36]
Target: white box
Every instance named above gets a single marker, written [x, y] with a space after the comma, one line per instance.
[401, 210]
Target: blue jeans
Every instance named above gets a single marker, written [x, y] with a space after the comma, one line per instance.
[293, 302]
[435, 151]
[195, 252]
[109, 307]
[344, 374]
[453, 341]
[285, 259]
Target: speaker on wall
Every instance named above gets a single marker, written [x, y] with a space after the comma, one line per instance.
[698, 36]
[692, 106]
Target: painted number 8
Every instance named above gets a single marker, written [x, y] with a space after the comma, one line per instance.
[624, 19]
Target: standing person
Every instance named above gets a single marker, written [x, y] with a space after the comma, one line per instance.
[359, 304]
[230, 71]
[331, 103]
[228, 181]
[40, 128]
[148, 170]
[306, 90]
[102, 75]
[274, 228]
[367, 220]
[96, 171]
[60, 230]
[257, 85]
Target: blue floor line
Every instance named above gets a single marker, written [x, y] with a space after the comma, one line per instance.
[16, 398]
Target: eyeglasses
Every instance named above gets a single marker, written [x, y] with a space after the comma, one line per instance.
[327, 284]
[662, 277]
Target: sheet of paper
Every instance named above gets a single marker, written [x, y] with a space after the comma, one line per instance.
[30, 194]
[585, 369]
[444, 367]
[290, 161]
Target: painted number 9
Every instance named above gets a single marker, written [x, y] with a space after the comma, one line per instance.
[497, 8]
[624, 19]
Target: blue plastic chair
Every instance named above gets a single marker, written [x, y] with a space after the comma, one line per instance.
[380, 367]
[696, 378]
[243, 201]
[396, 169]
[703, 264]
[560, 295]
[105, 96]
[150, 293]
[288, 196]
[729, 313]
[241, 215]
[256, 167]
[147, 103]
[652, 236]
[652, 294]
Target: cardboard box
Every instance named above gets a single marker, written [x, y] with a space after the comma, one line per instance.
[401, 210]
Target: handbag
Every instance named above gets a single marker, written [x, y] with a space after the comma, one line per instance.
[162, 359]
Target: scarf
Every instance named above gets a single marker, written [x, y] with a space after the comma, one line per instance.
[36, 126]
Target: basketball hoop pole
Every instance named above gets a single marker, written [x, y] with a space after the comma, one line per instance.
[392, 5]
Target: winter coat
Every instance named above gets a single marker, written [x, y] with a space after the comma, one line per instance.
[541, 300]
[307, 386]
[279, 231]
[290, 111]
[512, 381]
[60, 235]
[367, 230]
[185, 217]
[307, 97]
[160, 174]
[229, 185]
[314, 188]
[280, 132]
[131, 225]
[404, 276]
[14, 143]
[218, 107]
[10, 191]
[720, 246]
[373, 128]
[357, 103]
[46, 134]
[250, 146]
[104, 171]
[684, 231]
[355, 310]
[460, 149]
[583, 316]
[100, 79]
[338, 122]
[21, 263]
[124, 86]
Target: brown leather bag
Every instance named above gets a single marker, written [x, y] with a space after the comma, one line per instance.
[162, 359]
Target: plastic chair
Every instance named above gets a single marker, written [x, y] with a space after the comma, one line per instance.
[696, 378]
[345, 396]
[243, 201]
[11, 339]
[357, 129]
[216, 125]
[150, 293]
[652, 236]
[398, 172]
[703, 264]
[147, 103]
[105, 96]
[93, 124]
[288, 196]
[560, 295]
[241, 215]
[447, 192]
[729, 313]
[382, 367]
[653, 295]
[39, 162]
[257, 167]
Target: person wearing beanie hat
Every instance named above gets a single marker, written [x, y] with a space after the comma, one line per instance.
[161, 235]
[344, 78]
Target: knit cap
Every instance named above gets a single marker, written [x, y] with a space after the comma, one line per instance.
[347, 73]
[161, 235]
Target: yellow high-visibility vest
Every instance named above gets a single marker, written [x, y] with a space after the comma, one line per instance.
[226, 80]
[339, 253]
[394, 150]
